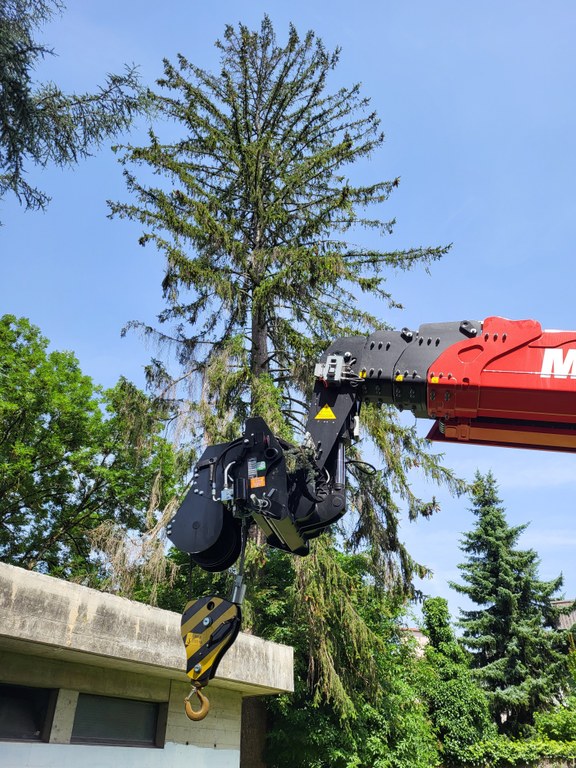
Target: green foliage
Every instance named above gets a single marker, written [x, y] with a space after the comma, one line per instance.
[558, 724]
[40, 123]
[437, 627]
[251, 202]
[457, 704]
[502, 752]
[552, 738]
[251, 207]
[520, 658]
[71, 455]
[394, 734]
[460, 713]
[384, 724]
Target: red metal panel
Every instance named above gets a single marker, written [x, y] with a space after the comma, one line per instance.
[511, 435]
[513, 371]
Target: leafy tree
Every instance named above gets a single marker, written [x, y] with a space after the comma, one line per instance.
[558, 724]
[456, 702]
[40, 124]
[520, 657]
[252, 204]
[71, 456]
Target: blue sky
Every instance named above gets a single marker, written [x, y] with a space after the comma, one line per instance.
[477, 103]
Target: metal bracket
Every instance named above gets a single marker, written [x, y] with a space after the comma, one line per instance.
[331, 371]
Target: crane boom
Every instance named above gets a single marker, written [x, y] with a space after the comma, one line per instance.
[495, 382]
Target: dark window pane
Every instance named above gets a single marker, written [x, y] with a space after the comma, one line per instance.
[24, 712]
[107, 720]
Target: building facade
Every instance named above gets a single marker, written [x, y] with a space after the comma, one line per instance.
[94, 680]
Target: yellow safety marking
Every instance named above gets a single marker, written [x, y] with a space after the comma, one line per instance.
[325, 413]
[197, 616]
[208, 660]
[205, 664]
[434, 379]
[399, 377]
[193, 643]
[195, 646]
[363, 374]
[199, 639]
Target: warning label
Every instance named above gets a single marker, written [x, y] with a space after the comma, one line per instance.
[325, 413]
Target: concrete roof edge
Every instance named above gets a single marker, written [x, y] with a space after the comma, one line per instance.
[54, 613]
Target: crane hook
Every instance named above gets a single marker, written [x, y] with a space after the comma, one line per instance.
[201, 713]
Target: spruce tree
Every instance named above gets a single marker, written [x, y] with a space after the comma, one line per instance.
[40, 124]
[252, 204]
[520, 657]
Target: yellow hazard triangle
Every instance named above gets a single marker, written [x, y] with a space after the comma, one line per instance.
[325, 413]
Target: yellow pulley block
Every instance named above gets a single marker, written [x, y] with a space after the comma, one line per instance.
[209, 626]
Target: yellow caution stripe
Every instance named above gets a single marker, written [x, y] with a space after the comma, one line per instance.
[209, 626]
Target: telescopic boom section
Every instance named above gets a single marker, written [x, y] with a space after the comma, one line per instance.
[496, 382]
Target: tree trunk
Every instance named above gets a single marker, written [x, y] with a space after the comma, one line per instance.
[259, 356]
[253, 732]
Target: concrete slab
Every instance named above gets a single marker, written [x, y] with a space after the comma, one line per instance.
[44, 616]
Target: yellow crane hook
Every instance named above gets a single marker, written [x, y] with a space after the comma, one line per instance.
[193, 714]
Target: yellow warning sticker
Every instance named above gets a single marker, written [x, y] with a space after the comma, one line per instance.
[257, 482]
[325, 413]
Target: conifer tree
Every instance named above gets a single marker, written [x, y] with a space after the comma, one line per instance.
[39, 123]
[252, 203]
[520, 656]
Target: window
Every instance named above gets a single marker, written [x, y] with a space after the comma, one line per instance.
[126, 722]
[26, 713]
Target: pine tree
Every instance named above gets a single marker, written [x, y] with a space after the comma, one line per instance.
[520, 656]
[40, 124]
[252, 204]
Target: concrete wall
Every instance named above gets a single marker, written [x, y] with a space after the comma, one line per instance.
[213, 742]
[64, 636]
[14, 755]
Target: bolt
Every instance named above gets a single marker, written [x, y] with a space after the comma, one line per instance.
[207, 621]
[198, 668]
